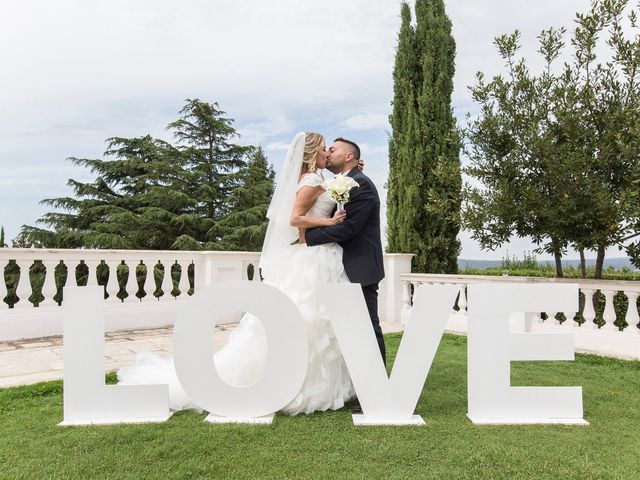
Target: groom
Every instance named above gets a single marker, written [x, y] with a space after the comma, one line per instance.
[359, 234]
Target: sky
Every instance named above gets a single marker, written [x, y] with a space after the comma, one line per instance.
[76, 72]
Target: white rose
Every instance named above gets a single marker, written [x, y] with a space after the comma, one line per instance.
[340, 186]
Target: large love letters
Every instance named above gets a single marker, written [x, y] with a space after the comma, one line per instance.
[287, 347]
[491, 348]
[385, 400]
[86, 398]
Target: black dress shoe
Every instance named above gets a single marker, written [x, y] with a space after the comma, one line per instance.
[354, 406]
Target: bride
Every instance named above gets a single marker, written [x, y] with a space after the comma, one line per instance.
[299, 202]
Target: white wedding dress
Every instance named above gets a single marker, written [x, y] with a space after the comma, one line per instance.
[296, 271]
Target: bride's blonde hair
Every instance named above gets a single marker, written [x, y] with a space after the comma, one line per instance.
[312, 142]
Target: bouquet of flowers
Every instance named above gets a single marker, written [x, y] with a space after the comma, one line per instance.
[339, 187]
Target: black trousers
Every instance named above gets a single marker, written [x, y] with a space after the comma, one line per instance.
[371, 298]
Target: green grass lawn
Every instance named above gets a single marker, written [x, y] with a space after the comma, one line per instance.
[327, 445]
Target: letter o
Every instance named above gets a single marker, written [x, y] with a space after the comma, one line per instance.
[287, 349]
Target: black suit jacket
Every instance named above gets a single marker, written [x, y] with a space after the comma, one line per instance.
[358, 235]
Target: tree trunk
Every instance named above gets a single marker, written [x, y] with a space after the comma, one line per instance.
[599, 262]
[558, 258]
[583, 264]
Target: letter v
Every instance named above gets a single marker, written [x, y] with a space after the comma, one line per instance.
[388, 400]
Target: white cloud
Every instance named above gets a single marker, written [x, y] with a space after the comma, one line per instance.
[368, 150]
[368, 121]
[269, 127]
[20, 177]
[78, 72]
[277, 147]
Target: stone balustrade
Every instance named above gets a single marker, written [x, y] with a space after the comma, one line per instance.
[143, 288]
[610, 333]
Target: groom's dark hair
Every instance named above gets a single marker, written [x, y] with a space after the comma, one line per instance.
[355, 149]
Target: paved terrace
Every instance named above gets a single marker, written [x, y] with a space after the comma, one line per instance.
[24, 362]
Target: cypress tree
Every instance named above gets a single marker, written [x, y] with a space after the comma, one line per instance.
[403, 104]
[424, 182]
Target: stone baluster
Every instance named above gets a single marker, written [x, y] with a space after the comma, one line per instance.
[4, 291]
[573, 319]
[256, 265]
[589, 313]
[256, 271]
[576, 322]
[148, 283]
[92, 280]
[553, 318]
[609, 314]
[196, 266]
[166, 284]
[168, 278]
[150, 280]
[49, 286]
[71, 281]
[569, 318]
[406, 302]
[632, 317]
[251, 266]
[132, 282]
[462, 300]
[168, 275]
[24, 290]
[244, 271]
[113, 287]
[183, 284]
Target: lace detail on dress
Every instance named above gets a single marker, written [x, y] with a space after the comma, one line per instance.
[312, 179]
[324, 205]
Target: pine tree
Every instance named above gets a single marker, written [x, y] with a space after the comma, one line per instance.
[134, 203]
[244, 227]
[149, 194]
[205, 140]
[425, 181]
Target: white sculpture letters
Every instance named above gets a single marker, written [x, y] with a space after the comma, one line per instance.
[388, 400]
[491, 348]
[87, 400]
[385, 400]
[287, 352]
